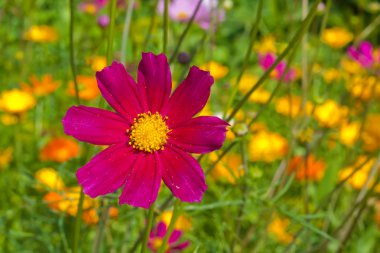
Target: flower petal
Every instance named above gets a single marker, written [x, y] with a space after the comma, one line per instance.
[143, 182]
[183, 175]
[200, 135]
[190, 97]
[121, 91]
[155, 78]
[176, 234]
[93, 125]
[107, 171]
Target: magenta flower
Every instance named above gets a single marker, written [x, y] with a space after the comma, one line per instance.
[150, 133]
[363, 54]
[267, 60]
[182, 10]
[157, 235]
[103, 20]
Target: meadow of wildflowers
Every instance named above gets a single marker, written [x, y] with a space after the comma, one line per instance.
[173, 126]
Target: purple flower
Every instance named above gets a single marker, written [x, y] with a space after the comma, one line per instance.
[103, 20]
[157, 235]
[363, 54]
[267, 60]
[150, 133]
[182, 10]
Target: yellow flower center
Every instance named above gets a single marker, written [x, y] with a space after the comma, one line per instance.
[149, 132]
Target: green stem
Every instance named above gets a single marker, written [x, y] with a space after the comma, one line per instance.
[78, 221]
[151, 24]
[125, 36]
[111, 31]
[184, 33]
[148, 228]
[72, 60]
[297, 37]
[166, 27]
[175, 215]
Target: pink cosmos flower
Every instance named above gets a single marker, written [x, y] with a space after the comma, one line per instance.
[157, 235]
[267, 60]
[150, 133]
[182, 10]
[363, 54]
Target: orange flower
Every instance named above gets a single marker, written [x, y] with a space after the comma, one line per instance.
[41, 33]
[267, 147]
[229, 168]
[371, 133]
[88, 87]
[278, 228]
[291, 106]
[313, 171]
[40, 88]
[59, 149]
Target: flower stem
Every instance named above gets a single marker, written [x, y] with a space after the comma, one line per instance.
[148, 228]
[176, 213]
[166, 27]
[72, 60]
[127, 24]
[151, 25]
[111, 31]
[78, 220]
[297, 37]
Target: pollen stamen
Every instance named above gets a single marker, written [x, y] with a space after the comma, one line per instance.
[148, 132]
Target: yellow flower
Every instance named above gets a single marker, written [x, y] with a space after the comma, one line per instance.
[5, 157]
[183, 223]
[266, 45]
[88, 87]
[40, 88]
[41, 33]
[9, 119]
[217, 70]
[349, 133]
[331, 75]
[291, 106]
[278, 228]
[330, 114]
[371, 133]
[50, 178]
[59, 149]
[16, 101]
[229, 168]
[267, 147]
[259, 96]
[336, 37]
[351, 66]
[363, 87]
[97, 63]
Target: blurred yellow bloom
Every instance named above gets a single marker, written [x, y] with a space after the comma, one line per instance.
[217, 70]
[330, 114]
[349, 133]
[183, 223]
[41, 33]
[259, 96]
[278, 228]
[49, 177]
[88, 87]
[266, 45]
[291, 106]
[6, 156]
[331, 75]
[363, 87]
[371, 133]
[40, 88]
[336, 37]
[59, 149]
[9, 119]
[229, 168]
[97, 63]
[358, 179]
[267, 146]
[351, 66]
[16, 101]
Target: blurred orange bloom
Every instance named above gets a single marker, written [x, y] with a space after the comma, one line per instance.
[278, 228]
[40, 88]
[229, 168]
[363, 87]
[88, 87]
[97, 63]
[336, 37]
[6, 156]
[312, 169]
[59, 149]
[330, 114]
[267, 146]
[291, 106]
[41, 33]
[183, 223]
[217, 70]
[371, 133]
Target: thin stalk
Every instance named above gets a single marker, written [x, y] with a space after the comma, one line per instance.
[369, 29]
[151, 25]
[148, 228]
[184, 33]
[252, 35]
[78, 221]
[166, 27]
[297, 37]
[100, 229]
[127, 24]
[176, 212]
[111, 31]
